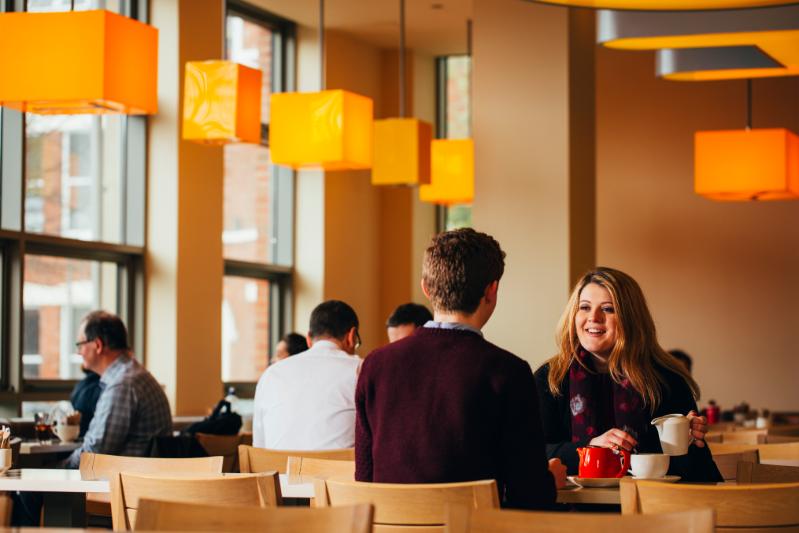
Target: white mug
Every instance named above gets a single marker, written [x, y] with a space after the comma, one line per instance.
[5, 460]
[649, 465]
[66, 432]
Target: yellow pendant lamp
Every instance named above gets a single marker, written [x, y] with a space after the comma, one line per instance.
[667, 5]
[330, 130]
[221, 103]
[452, 164]
[401, 145]
[78, 62]
[749, 164]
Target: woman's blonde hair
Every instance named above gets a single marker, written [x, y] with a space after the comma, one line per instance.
[636, 353]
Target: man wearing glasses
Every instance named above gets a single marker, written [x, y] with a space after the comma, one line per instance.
[307, 401]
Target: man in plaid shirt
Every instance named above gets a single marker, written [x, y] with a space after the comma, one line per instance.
[132, 408]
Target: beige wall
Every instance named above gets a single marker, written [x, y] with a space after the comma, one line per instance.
[524, 130]
[184, 236]
[719, 277]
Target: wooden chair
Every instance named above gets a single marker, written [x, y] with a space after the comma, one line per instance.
[406, 508]
[101, 466]
[256, 490]
[461, 519]
[170, 516]
[756, 507]
[776, 439]
[757, 473]
[786, 450]
[265, 460]
[226, 446]
[5, 510]
[727, 463]
[324, 468]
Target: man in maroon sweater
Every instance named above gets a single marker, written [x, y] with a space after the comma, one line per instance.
[445, 405]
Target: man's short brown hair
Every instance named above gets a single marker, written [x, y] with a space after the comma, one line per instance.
[458, 266]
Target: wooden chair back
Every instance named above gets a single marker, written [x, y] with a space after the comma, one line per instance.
[461, 519]
[737, 506]
[5, 510]
[324, 468]
[743, 437]
[405, 508]
[776, 439]
[255, 490]
[253, 459]
[101, 466]
[785, 450]
[727, 463]
[225, 446]
[171, 516]
[757, 473]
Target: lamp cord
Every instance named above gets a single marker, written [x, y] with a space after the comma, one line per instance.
[402, 60]
[322, 44]
[749, 104]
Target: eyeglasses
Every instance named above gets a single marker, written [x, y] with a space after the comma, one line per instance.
[81, 343]
[357, 339]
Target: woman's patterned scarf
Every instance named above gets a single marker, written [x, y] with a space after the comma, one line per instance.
[628, 406]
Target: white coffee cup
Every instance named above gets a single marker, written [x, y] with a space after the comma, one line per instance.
[649, 465]
[5, 460]
[66, 432]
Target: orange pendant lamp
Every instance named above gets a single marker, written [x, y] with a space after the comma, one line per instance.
[452, 164]
[78, 62]
[330, 130]
[401, 145]
[749, 164]
[221, 103]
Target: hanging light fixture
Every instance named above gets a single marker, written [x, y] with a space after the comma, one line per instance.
[666, 5]
[221, 103]
[78, 62]
[330, 129]
[401, 145]
[452, 162]
[749, 164]
[695, 46]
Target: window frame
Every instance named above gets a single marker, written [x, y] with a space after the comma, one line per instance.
[15, 243]
[277, 273]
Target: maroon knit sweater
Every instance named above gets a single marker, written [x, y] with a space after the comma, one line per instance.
[445, 406]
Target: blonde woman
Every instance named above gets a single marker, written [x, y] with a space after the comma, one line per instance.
[611, 378]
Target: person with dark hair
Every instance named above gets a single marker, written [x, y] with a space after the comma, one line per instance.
[405, 319]
[132, 407]
[307, 401]
[445, 405]
[684, 358]
[290, 344]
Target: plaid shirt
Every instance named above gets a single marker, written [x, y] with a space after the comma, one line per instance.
[132, 409]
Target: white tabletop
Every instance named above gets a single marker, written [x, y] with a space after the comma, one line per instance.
[50, 480]
[54, 446]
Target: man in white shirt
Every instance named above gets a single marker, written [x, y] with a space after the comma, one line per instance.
[307, 401]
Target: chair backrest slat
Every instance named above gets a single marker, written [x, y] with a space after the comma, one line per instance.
[258, 490]
[463, 520]
[757, 473]
[311, 467]
[736, 506]
[414, 505]
[253, 459]
[171, 516]
[102, 466]
[727, 463]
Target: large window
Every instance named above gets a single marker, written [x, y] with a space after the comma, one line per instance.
[258, 209]
[454, 122]
[71, 232]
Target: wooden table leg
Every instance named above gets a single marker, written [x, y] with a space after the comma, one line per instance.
[64, 509]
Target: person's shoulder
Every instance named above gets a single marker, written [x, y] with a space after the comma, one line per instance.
[542, 372]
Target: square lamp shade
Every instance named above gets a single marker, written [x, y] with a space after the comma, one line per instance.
[401, 152]
[759, 164]
[331, 130]
[452, 173]
[80, 62]
[221, 103]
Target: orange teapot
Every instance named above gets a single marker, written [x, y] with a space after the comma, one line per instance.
[596, 461]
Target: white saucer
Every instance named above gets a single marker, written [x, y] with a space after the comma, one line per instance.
[594, 482]
[664, 479]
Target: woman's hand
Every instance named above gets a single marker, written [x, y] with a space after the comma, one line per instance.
[615, 438]
[558, 470]
[698, 428]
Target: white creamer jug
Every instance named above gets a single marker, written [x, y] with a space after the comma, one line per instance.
[674, 432]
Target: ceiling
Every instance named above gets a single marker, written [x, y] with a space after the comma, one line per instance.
[436, 27]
